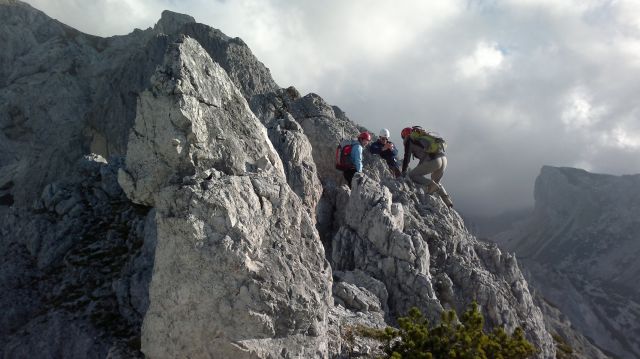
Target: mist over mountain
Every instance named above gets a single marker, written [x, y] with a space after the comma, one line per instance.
[161, 196]
[488, 226]
[580, 247]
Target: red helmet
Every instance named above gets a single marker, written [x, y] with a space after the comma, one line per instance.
[365, 136]
[405, 132]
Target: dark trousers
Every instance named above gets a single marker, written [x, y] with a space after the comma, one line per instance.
[348, 175]
[394, 166]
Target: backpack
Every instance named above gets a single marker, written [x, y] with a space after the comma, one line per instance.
[430, 141]
[343, 155]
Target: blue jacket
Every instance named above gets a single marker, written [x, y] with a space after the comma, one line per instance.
[376, 148]
[356, 155]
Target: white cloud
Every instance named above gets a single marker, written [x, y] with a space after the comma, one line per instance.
[630, 49]
[562, 7]
[627, 14]
[624, 139]
[486, 58]
[578, 113]
[103, 17]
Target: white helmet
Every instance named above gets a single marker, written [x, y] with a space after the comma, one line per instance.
[384, 133]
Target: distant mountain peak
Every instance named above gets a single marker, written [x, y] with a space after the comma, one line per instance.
[583, 237]
[170, 22]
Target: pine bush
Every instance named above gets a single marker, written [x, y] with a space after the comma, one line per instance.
[463, 339]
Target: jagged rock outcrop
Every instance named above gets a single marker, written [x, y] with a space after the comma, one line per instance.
[580, 247]
[250, 76]
[171, 22]
[226, 189]
[251, 279]
[191, 121]
[77, 93]
[425, 257]
[296, 154]
[64, 94]
[323, 124]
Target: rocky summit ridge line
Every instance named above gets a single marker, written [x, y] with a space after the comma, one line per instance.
[161, 196]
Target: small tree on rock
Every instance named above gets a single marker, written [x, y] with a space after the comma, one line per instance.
[462, 339]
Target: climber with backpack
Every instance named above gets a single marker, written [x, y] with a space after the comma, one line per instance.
[349, 156]
[387, 150]
[428, 148]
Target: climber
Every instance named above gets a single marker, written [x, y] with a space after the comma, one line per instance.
[356, 156]
[429, 150]
[387, 150]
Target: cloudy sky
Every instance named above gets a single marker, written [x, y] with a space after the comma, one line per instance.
[512, 85]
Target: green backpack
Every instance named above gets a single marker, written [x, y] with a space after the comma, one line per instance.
[430, 141]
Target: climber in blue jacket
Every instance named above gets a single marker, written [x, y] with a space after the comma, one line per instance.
[387, 150]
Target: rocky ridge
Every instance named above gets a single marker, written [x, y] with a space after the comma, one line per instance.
[228, 231]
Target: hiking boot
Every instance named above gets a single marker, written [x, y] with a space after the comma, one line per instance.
[432, 187]
[447, 200]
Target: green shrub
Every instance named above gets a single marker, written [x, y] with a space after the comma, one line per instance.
[564, 350]
[462, 339]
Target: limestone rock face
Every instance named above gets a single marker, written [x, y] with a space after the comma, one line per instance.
[249, 75]
[425, 257]
[239, 268]
[243, 282]
[295, 151]
[580, 247]
[28, 122]
[192, 120]
[324, 126]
